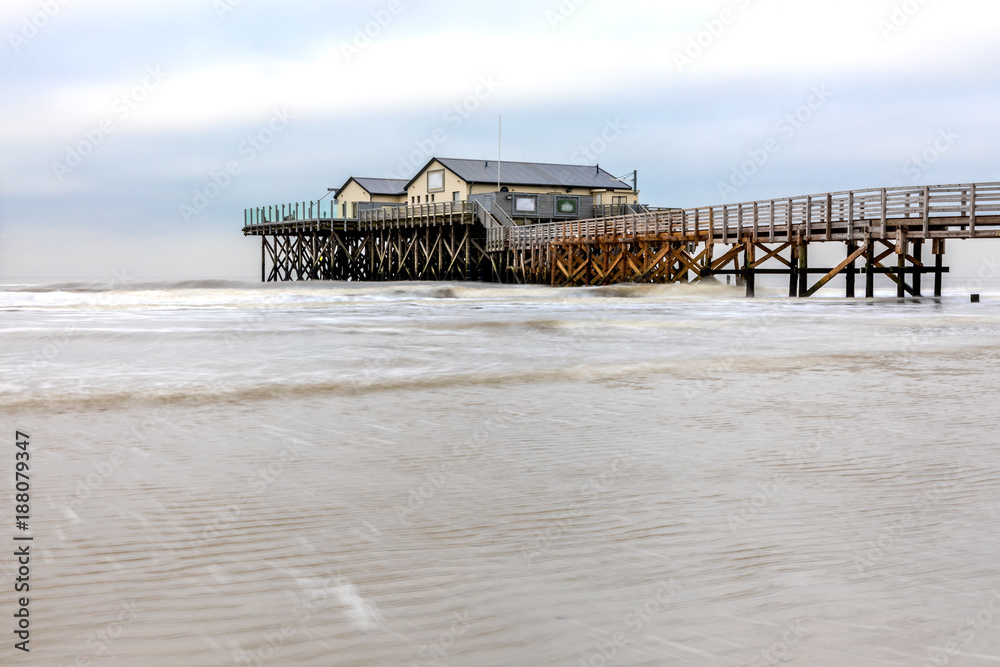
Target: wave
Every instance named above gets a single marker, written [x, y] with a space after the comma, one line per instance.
[698, 375]
[441, 290]
[116, 285]
[251, 291]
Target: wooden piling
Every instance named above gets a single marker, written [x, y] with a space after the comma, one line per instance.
[803, 269]
[938, 250]
[749, 272]
[901, 273]
[851, 270]
[793, 270]
[870, 270]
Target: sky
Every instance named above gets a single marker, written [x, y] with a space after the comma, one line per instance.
[134, 134]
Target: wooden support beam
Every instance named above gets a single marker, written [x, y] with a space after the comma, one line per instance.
[938, 250]
[803, 268]
[870, 270]
[829, 217]
[852, 272]
[732, 254]
[793, 271]
[901, 283]
[927, 211]
[972, 212]
[773, 254]
[832, 274]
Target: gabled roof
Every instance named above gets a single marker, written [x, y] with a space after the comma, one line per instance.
[377, 186]
[529, 173]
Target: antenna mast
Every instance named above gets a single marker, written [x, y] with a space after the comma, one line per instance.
[499, 147]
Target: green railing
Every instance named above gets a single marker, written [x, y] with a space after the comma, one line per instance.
[292, 212]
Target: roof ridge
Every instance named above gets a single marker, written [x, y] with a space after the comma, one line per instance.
[547, 164]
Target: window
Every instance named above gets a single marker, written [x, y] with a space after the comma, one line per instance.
[344, 208]
[525, 204]
[418, 199]
[568, 206]
[620, 199]
[413, 200]
[598, 199]
[435, 181]
[432, 197]
[456, 196]
[354, 209]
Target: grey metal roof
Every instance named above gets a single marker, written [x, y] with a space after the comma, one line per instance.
[378, 186]
[533, 173]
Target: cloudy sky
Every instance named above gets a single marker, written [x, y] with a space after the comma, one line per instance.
[121, 118]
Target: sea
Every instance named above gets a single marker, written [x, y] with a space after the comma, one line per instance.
[468, 475]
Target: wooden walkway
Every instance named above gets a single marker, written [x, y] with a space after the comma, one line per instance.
[764, 237]
[933, 212]
[461, 241]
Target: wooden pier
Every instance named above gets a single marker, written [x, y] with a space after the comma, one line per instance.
[435, 242]
[884, 232]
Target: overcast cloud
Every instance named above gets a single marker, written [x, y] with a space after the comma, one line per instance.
[116, 114]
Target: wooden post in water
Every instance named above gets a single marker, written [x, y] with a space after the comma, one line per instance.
[918, 254]
[938, 249]
[750, 274]
[803, 268]
[870, 270]
[901, 271]
[793, 272]
[851, 270]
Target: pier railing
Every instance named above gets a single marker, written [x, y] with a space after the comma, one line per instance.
[417, 215]
[930, 212]
[292, 212]
[615, 210]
